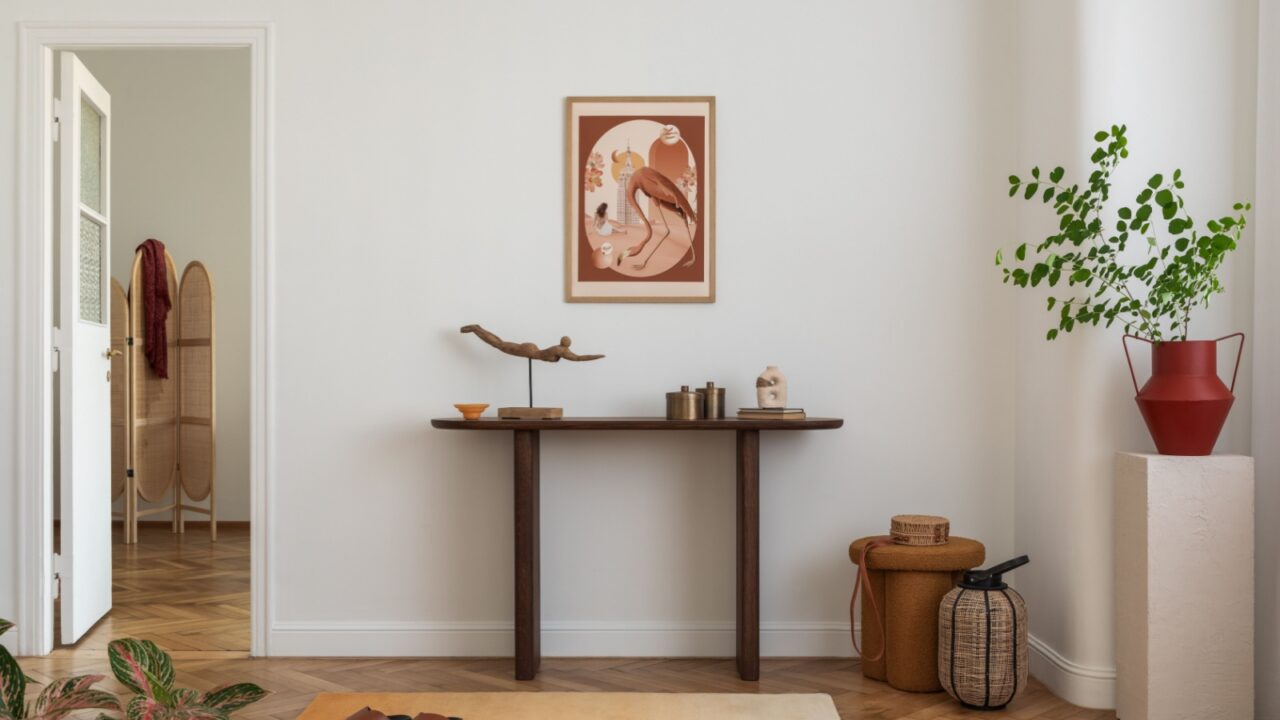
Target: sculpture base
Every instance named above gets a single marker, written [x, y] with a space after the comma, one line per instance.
[530, 413]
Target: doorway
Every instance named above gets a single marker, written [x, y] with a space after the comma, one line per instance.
[164, 180]
[164, 153]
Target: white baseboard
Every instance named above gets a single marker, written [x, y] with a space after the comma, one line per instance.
[1090, 687]
[559, 639]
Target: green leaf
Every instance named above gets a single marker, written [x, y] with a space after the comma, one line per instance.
[1099, 136]
[1052, 334]
[1052, 301]
[13, 685]
[62, 697]
[1125, 213]
[230, 698]
[5, 625]
[142, 707]
[1176, 226]
[1156, 181]
[1168, 211]
[999, 255]
[1038, 273]
[1164, 197]
[1081, 275]
[1013, 190]
[1015, 180]
[1021, 252]
[1035, 172]
[1056, 174]
[142, 667]
[1031, 191]
[195, 712]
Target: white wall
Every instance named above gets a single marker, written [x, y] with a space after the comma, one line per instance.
[1266, 354]
[862, 149]
[180, 173]
[861, 169]
[1181, 76]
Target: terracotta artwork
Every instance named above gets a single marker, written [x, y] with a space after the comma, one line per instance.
[641, 200]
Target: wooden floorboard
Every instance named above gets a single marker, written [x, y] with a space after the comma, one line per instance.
[191, 597]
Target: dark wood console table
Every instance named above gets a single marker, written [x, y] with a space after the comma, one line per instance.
[526, 434]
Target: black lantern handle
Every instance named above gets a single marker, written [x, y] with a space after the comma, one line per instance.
[991, 577]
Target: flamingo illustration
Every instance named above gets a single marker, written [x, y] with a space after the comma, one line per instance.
[667, 196]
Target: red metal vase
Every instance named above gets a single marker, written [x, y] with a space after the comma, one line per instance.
[1185, 403]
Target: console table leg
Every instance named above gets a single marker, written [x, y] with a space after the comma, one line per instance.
[749, 554]
[528, 613]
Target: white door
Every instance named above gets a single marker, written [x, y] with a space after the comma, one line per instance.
[84, 345]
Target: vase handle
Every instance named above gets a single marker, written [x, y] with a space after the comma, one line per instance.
[1125, 341]
[1239, 355]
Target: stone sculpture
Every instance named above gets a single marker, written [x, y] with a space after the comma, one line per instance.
[771, 388]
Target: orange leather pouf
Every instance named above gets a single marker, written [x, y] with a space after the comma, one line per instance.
[909, 582]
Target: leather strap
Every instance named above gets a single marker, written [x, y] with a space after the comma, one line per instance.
[863, 582]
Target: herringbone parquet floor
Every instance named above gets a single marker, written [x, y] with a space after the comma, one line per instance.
[191, 597]
[181, 591]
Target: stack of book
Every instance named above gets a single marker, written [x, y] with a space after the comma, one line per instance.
[771, 413]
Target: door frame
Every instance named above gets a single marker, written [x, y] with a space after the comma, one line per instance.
[37, 41]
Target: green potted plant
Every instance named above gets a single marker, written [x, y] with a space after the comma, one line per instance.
[140, 666]
[1151, 296]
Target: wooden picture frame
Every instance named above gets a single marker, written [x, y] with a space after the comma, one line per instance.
[640, 199]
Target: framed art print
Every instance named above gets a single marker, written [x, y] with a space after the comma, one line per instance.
[640, 199]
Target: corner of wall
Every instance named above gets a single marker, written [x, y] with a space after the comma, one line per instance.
[1090, 687]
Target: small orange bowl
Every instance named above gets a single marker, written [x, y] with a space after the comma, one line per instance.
[471, 411]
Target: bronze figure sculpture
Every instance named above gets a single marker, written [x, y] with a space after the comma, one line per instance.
[553, 353]
[530, 352]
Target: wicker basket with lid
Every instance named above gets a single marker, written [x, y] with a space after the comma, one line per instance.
[919, 530]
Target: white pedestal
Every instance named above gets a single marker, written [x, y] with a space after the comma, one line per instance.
[1184, 587]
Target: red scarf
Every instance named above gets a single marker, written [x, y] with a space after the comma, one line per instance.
[155, 305]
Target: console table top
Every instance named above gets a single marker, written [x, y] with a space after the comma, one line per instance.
[635, 423]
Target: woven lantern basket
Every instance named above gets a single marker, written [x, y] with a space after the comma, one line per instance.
[919, 530]
[982, 639]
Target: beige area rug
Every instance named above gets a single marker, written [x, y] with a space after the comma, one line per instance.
[577, 706]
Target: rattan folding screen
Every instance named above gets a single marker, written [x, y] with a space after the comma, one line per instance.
[119, 396]
[163, 428]
[196, 421]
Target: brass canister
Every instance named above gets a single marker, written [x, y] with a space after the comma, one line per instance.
[684, 405]
[712, 401]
